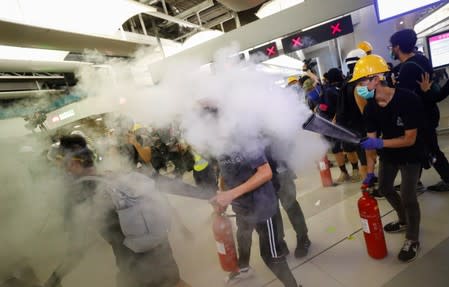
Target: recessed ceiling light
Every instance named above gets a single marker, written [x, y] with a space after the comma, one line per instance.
[401, 23]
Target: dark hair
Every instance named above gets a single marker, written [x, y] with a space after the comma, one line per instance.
[405, 39]
[72, 142]
[335, 75]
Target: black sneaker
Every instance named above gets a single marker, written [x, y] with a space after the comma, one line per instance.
[283, 248]
[237, 276]
[303, 246]
[394, 227]
[420, 188]
[439, 187]
[409, 251]
[377, 194]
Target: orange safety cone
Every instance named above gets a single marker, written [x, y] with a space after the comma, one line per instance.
[325, 172]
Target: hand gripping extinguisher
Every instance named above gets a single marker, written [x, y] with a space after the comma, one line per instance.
[222, 229]
[372, 224]
[325, 172]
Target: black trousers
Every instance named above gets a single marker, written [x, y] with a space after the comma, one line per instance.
[440, 162]
[269, 248]
[287, 197]
[406, 204]
[154, 268]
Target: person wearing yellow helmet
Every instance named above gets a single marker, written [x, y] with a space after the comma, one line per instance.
[393, 118]
[292, 80]
[366, 46]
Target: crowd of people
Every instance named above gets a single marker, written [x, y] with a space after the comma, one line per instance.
[394, 109]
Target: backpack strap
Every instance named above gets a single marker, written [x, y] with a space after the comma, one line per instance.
[413, 63]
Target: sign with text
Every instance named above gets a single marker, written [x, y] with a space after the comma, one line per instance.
[322, 33]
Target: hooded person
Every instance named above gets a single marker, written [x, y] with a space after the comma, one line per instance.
[117, 212]
[393, 120]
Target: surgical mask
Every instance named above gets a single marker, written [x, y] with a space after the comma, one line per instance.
[364, 92]
[393, 55]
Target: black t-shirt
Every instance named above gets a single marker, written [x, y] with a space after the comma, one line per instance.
[411, 71]
[408, 75]
[403, 112]
[328, 102]
[348, 113]
[258, 205]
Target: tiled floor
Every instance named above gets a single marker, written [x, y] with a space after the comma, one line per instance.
[337, 256]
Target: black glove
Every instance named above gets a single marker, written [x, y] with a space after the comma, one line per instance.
[53, 281]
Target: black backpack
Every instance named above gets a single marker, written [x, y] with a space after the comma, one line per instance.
[343, 102]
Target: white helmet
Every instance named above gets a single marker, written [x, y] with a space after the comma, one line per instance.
[354, 55]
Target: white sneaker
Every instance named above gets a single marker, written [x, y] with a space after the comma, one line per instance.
[237, 276]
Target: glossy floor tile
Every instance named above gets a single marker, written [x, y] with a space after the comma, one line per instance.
[337, 255]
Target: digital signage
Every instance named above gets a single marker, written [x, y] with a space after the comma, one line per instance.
[322, 33]
[389, 9]
[438, 45]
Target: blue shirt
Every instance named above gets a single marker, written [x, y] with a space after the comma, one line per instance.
[257, 205]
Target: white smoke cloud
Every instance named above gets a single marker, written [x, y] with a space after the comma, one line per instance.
[252, 109]
[253, 112]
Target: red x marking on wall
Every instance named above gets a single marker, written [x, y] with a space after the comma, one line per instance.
[336, 28]
[296, 42]
[271, 51]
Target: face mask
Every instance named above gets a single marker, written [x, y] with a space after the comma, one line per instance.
[393, 55]
[364, 92]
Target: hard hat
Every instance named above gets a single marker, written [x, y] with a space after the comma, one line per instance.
[292, 80]
[354, 55]
[136, 127]
[368, 66]
[365, 46]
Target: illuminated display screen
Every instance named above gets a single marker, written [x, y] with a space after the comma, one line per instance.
[266, 51]
[322, 33]
[439, 49]
[388, 9]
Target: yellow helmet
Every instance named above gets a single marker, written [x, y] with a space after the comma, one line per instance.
[365, 46]
[368, 66]
[292, 80]
[136, 127]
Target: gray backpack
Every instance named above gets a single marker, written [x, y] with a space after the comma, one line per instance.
[144, 212]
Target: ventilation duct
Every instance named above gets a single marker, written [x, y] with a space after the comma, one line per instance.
[241, 5]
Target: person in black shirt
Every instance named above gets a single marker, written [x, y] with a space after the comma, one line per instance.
[328, 109]
[413, 66]
[393, 117]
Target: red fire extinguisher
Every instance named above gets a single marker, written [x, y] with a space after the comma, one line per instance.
[325, 172]
[372, 225]
[222, 229]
